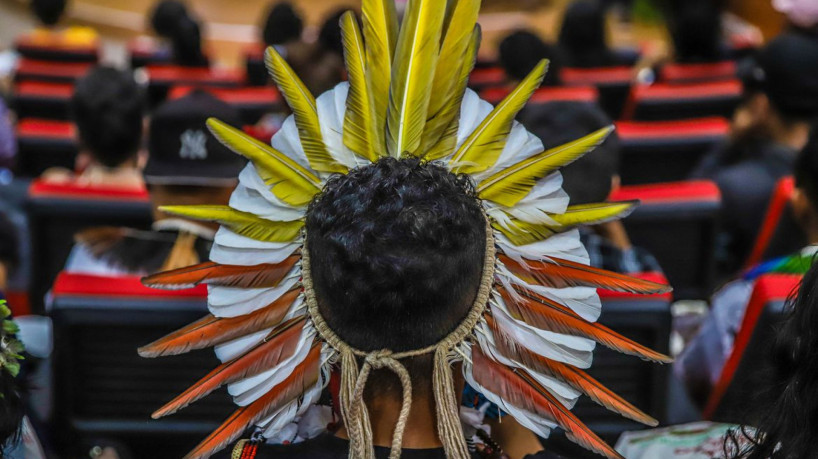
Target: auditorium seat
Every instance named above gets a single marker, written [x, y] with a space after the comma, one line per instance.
[697, 73]
[663, 101]
[666, 151]
[252, 103]
[36, 99]
[487, 77]
[144, 52]
[104, 390]
[59, 72]
[587, 94]
[677, 223]
[254, 65]
[780, 234]
[44, 143]
[747, 367]
[57, 212]
[32, 47]
[647, 320]
[161, 78]
[614, 84]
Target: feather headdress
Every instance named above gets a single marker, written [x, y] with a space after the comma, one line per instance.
[530, 333]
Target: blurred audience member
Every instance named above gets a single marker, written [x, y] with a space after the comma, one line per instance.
[801, 14]
[582, 36]
[9, 251]
[186, 166]
[521, 51]
[322, 67]
[49, 13]
[590, 180]
[172, 21]
[283, 25]
[8, 144]
[696, 29]
[785, 412]
[107, 108]
[701, 363]
[770, 126]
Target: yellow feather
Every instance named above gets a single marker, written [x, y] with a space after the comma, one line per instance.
[483, 146]
[444, 106]
[306, 114]
[243, 223]
[381, 35]
[413, 70]
[360, 130]
[447, 143]
[287, 180]
[508, 186]
[522, 233]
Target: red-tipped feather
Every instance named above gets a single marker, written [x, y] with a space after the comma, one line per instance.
[211, 330]
[545, 314]
[574, 377]
[560, 273]
[303, 377]
[278, 346]
[519, 389]
[257, 276]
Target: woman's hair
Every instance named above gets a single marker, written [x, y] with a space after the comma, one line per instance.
[521, 51]
[582, 36]
[107, 107]
[786, 427]
[171, 19]
[48, 12]
[283, 24]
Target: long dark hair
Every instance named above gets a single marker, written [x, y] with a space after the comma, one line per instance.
[787, 427]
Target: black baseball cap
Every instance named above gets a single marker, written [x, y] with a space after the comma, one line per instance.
[786, 70]
[181, 149]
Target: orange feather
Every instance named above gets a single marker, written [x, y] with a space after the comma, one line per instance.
[279, 345]
[519, 389]
[545, 314]
[257, 276]
[574, 377]
[211, 330]
[303, 377]
[559, 273]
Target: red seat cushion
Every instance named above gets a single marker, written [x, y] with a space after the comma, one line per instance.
[40, 189]
[662, 91]
[702, 127]
[597, 76]
[266, 95]
[700, 191]
[491, 76]
[176, 75]
[686, 73]
[47, 70]
[36, 128]
[44, 90]
[543, 95]
[84, 285]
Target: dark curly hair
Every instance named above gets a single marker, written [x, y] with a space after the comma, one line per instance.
[396, 253]
[107, 107]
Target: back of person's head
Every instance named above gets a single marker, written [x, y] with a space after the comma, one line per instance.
[107, 107]
[396, 252]
[283, 24]
[521, 51]
[805, 171]
[590, 178]
[786, 424]
[788, 74]
[166, 14]
[48, 12]
[582, 36]
[172, 20]
[330, 35]
[696, 30]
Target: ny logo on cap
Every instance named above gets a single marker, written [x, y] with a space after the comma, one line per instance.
[194, 144]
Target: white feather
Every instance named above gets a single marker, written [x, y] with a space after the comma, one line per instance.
[228, 238]
[249, 256]
[232, 349]
[535, 342]
[565, 245]
[250, 389]
[254, 196]
[331, 112]
[582, 300]
[234, 302]
[520, 145]
[566, 341]
[287, 141]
